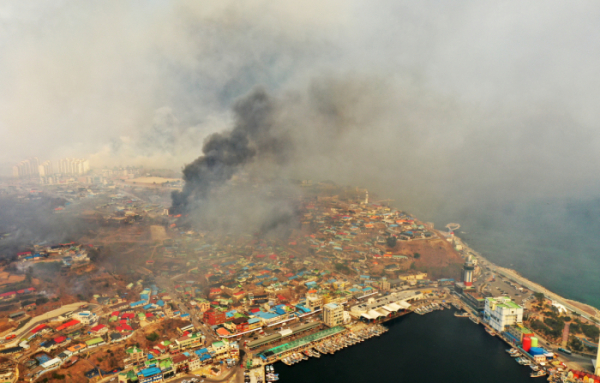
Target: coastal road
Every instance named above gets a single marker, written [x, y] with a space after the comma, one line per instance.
[511, 274]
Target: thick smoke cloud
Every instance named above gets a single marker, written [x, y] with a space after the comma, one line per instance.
[436, 105]
[226, 153]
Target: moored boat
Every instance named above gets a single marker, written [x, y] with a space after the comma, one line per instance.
[537, 374]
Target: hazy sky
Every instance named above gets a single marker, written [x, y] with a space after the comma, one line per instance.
[431, 98]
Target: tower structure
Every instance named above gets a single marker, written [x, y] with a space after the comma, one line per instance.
[367, 198]
[468, 269]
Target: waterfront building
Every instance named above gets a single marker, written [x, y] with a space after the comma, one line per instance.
[385, 284]
[385, 306]
[333, 314]
[476, 300]
[501, 312]
[518, 331]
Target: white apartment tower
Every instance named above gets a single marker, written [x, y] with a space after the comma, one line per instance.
[333, 314]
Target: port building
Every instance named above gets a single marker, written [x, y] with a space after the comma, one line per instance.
[386, 306]
[501, 312]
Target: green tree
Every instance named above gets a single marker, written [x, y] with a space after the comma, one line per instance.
[391, 241]
[416, 255]
[152, 337]
[540, 297]
[575, 344]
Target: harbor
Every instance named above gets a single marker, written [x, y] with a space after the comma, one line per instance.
[323, 345]
[419, 347]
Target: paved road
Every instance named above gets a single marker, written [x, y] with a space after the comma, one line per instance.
[42, 318]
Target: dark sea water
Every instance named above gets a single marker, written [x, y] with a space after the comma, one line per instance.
[555, 243]
[436, 347]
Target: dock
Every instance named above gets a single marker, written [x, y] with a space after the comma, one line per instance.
[328, 341]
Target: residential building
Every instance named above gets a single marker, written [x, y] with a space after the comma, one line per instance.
[190, 341]
[214, 317]
[134, 357]
[9, 373]
[333, 314]
[313, 301]
[194, 362]
[86, 317]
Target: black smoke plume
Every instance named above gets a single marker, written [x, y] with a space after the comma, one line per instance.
[225, 154]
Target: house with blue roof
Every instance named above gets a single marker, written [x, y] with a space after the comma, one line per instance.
[302, 309]
[253, 321]
[149, 375]
[230, 314]
[279, 311]
[137, 304]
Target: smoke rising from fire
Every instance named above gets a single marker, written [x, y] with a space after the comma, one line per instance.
[435, 105]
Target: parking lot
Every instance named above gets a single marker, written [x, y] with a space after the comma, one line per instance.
[505, 287]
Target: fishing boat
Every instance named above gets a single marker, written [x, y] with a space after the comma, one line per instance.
[474, 319]
[461, 315]
[490, 331]
[537, 374]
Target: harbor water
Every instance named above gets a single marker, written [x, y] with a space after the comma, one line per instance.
[435, 347]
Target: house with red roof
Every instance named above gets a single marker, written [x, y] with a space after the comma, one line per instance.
[61, 341]
[99, 329]
[583, 376]
[124, 327]
[8, 295]
[40, 329]
[162, 349]
[69, 324]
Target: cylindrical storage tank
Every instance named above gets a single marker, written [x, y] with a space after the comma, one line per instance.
[526, 343]
[534, 341]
